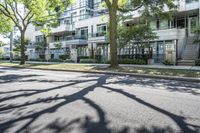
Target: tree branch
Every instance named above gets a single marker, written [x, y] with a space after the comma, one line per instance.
[16, 9]
[4, 10]
[108, 3]
[129, 9]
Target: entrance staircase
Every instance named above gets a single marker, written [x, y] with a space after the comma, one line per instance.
[189, 54]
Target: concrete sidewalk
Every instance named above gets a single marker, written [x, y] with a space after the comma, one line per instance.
[156, 66]
[166, 67]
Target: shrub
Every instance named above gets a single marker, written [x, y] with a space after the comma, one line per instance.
[69, 61]
[55, 60]
[40, 60]
[64, 57]
[132, 61]
[84, 57]
[41, 56]
[88, 61]
[197, 62]
[167, 62]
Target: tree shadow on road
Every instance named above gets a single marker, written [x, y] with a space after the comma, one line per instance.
[9, 78]
[170, 85]
[87, 125]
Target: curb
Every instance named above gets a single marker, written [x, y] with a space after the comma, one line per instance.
[186, 79]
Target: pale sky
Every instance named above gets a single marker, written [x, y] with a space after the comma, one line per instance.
[6, 40]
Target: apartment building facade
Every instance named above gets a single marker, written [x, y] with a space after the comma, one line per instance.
[83, 26]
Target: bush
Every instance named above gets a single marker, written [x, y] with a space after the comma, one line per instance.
[167, 62]
[69, 61]
[134, 56]
[41, 56]
[88, 61]
[64, 57]
[40, 60]
[55, 60]
[132, 61]
[84, 57]
[197, 62]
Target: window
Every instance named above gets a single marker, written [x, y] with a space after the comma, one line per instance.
[58, 38]
[39, 38]
[102, 28]
[181, 23]
[163, 24]
[153, 25]
[82, 33]
[82, 14]
[191, 1]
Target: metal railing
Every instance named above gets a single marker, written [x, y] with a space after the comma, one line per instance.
[98, 34]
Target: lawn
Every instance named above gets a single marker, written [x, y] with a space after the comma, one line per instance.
[93, 68]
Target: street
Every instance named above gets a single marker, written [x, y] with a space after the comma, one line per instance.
[37, 101]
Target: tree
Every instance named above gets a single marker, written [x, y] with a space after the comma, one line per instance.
[147, 8]
[17, 43]
[37, 12]
[6, 25]
[138, 36]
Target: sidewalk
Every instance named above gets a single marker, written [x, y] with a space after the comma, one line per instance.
[156, 66]
[183, 73]
[166, 67]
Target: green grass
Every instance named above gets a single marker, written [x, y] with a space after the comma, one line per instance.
[87, 67]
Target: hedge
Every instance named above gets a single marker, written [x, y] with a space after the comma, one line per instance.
[88, 61]
[132, 61]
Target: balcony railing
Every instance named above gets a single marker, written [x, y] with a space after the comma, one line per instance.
[98, 34]
[75, 38]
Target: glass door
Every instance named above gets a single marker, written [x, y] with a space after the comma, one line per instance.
[158, 52]
[193, 21]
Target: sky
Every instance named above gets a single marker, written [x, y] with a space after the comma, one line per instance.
[6, 40]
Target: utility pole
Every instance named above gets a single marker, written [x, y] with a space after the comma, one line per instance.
[11, 46]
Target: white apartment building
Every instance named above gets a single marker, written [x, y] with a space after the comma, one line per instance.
[83, 26]
[81, 33]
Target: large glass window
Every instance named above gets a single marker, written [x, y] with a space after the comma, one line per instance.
[181, 23]
[39, 38]
[191, 1]
[58, 38]
[153, 25]
[101, 29]
[163, 24]
[83, 32]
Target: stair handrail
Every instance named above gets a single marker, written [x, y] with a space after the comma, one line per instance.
[198, 50]
[184, 46]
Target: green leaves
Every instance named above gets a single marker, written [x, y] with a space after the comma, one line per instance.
[38, 12]
[139, 34]
[6, 25]
[58, 45]
[196, 31]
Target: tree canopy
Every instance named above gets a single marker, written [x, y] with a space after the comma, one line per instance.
[146, 8]
[21, 13]
[139, 35]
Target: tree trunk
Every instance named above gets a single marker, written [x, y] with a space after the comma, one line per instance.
[113, 34]
[11, 46]
[22, 48]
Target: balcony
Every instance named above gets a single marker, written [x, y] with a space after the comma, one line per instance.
[62, 28]
[98, 38]
[186, 5]
[171, 34]
[73, 40]
[192, 4]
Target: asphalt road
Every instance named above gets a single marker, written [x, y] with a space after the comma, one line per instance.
[35, 101]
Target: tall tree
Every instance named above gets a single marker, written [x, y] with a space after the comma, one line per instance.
[138, 36]
[145, 7]
[21, 13]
